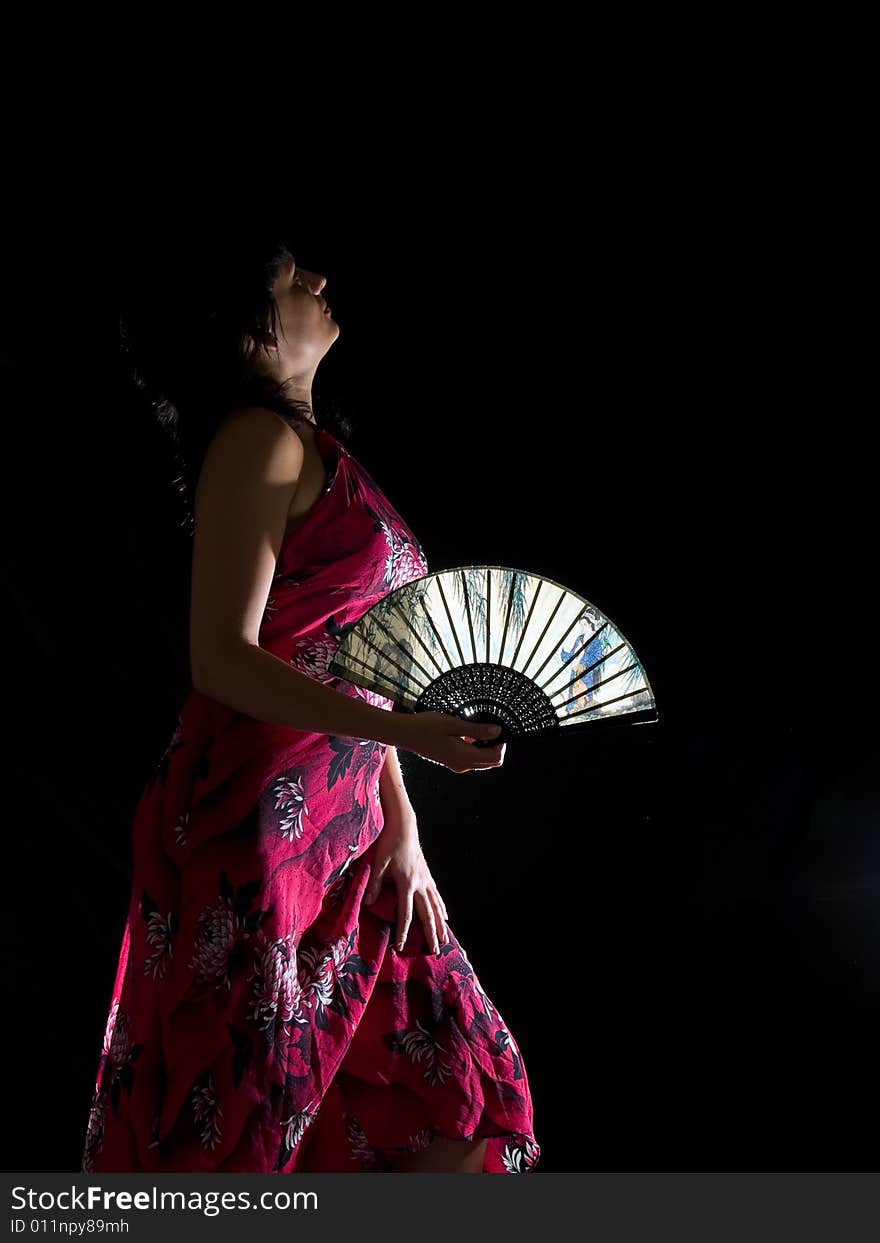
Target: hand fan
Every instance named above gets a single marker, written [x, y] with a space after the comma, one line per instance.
[497, 645]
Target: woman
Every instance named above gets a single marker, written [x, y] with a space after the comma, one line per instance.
[289, 996]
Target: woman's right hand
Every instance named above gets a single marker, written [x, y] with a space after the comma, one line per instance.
[439, 737]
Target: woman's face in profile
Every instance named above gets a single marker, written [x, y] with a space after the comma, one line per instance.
[305, 327]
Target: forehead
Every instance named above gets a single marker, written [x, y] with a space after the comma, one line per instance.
[285, 271]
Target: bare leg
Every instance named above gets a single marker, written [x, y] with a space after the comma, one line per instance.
[443, 1156]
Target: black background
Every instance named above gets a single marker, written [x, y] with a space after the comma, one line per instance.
[639, 391]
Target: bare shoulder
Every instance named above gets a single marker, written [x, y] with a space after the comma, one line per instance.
[247, 480]
[250, 435]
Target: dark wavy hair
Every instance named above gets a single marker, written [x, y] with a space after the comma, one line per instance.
[193, 312]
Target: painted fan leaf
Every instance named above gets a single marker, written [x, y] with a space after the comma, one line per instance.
[493, 643]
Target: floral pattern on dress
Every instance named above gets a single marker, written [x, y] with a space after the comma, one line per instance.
[260, 1019]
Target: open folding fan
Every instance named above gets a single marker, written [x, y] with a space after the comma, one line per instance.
[493, 644]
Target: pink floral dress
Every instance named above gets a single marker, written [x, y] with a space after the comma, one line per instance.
[260, 1020]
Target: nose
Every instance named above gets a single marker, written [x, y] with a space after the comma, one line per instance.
[313, 281]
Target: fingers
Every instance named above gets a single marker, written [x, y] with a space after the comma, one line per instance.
[432, 912]
[440, 915]
[429, 922]
[433, 890]
[479, 730]
[497, 754]
[404, 916]
[489, 757]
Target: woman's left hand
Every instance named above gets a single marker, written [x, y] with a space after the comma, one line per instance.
[399, 855]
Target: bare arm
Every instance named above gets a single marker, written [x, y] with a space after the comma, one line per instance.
[246, 484]
[261, 685]
[392, 792]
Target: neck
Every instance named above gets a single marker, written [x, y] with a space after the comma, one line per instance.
[296, 383]
[300, 388]
[300, 394]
